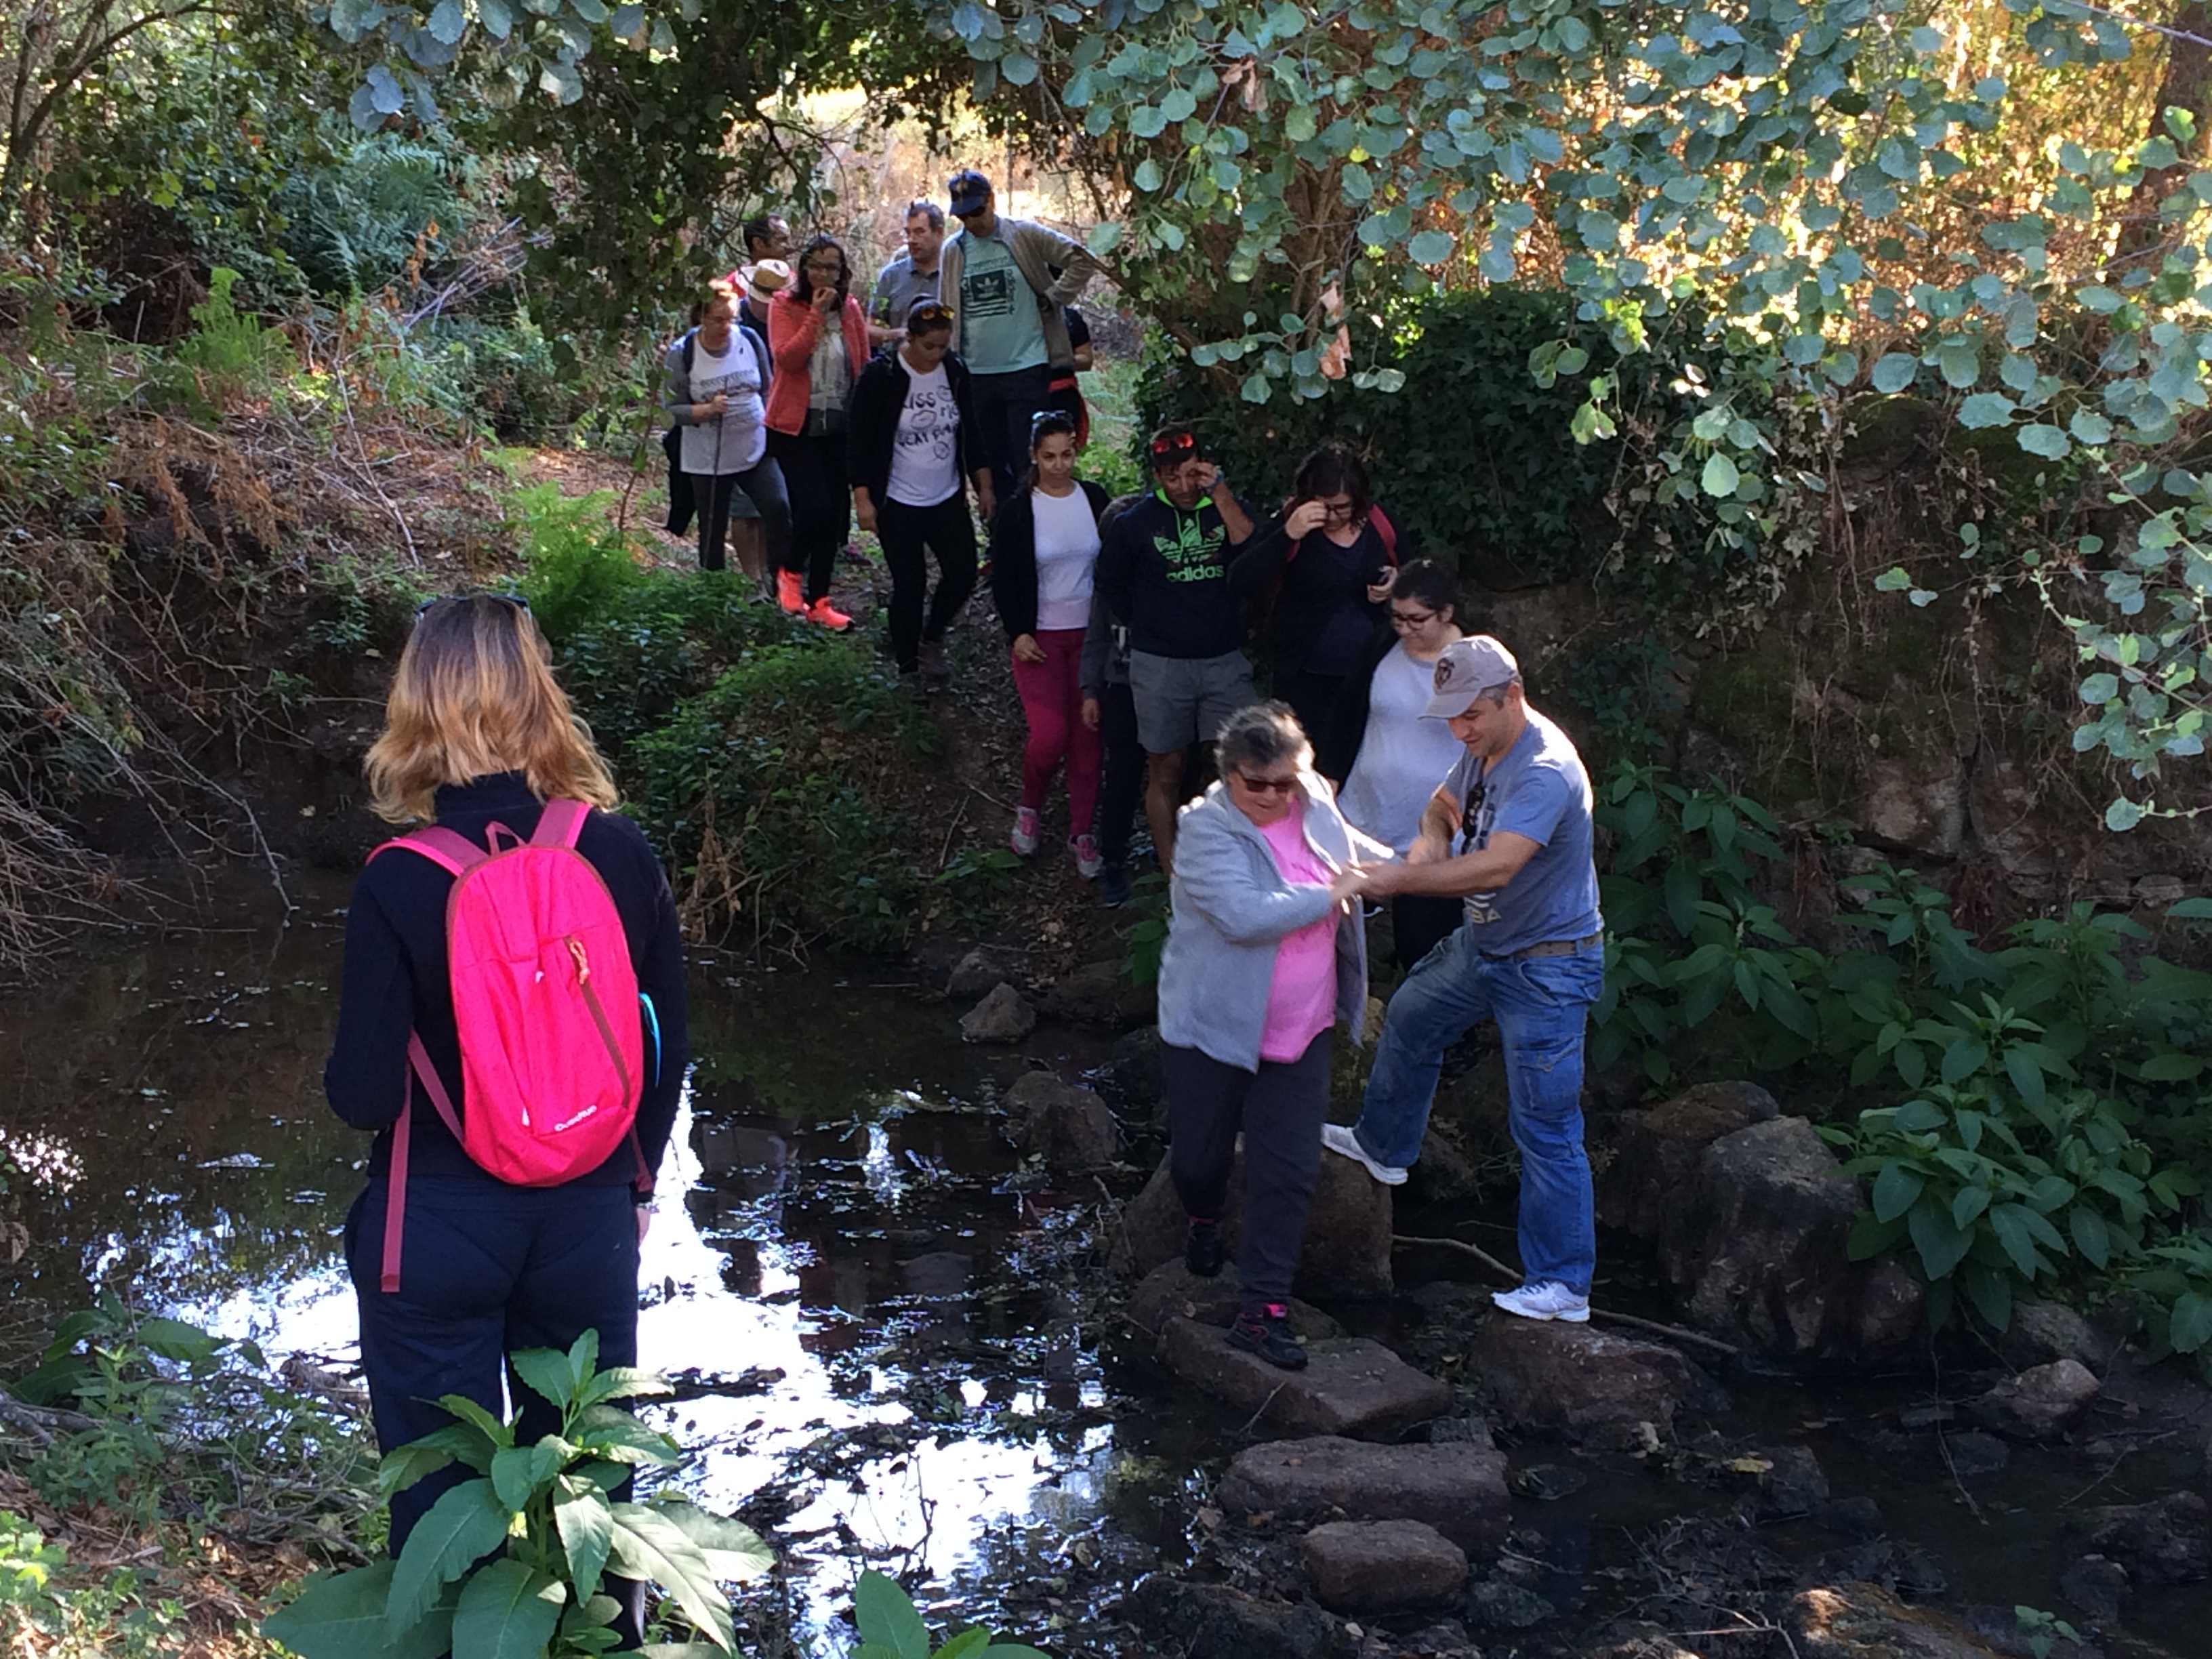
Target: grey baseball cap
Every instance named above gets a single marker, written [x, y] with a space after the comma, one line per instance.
[1466, 669]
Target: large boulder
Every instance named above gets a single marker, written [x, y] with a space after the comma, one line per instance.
[1004, 1016]
[1458, 1488]
[1382, 1566]
[1131, 1076]
[1350, 1386]
[983, 968]
[1171, 1291]
[1655, 1152]
[1346, 1253]
[2041, 1402]
[1577, 1381]
[1093, 995]
[1214, 1621]
[1069, 1127]
[1863, 1621]
[1756, 1247]
[2166, 1543]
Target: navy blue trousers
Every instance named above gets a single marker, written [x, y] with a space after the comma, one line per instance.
[486, 1269]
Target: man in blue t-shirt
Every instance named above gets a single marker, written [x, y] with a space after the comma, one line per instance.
[1509, 831]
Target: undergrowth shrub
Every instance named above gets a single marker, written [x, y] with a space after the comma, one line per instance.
[781, 798]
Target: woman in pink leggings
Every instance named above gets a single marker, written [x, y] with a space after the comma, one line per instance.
[1044, 543]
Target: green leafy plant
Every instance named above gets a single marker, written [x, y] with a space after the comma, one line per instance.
[2176, 1277]
[226, 352]
[891, 1628]
[510, 1563]
[1145, 937]
[2041, 1630]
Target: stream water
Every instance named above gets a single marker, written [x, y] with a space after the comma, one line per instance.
[893, 1340]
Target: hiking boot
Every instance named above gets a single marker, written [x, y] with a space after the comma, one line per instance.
[1548, 1300]
[1268, 1335]
[936, 666]
[828, 615]
[1024, 838]
[1114, 886]
[1341, 1138]
[790, 594]
[1088, 863]
[1203, 1252]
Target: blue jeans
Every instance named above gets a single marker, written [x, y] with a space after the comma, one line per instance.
[1541, 1004]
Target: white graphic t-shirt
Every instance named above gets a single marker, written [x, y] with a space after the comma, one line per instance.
[924, 467]
[735, 442]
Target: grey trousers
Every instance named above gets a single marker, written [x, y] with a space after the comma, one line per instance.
[1280, 1109]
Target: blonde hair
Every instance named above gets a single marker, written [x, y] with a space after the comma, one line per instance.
[474, 695]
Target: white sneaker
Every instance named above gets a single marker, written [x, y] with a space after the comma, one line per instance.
[1548, 1300]
[1024, 838]
[1339, 1138]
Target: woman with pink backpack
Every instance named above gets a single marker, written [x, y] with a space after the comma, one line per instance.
[511, 1025]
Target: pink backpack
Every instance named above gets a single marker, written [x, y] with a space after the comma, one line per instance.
[545, 999]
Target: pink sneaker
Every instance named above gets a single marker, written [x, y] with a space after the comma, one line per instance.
[1088, 862]
[1024, 838]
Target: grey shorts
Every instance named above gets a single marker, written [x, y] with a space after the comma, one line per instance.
[1184, 700]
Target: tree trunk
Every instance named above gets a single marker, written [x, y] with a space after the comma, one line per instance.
[2143, 235]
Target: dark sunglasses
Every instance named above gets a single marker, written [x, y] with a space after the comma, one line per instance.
[1175, 448]
[514, 599]
[1267, 786]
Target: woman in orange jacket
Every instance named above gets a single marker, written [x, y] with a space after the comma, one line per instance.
[816, 363]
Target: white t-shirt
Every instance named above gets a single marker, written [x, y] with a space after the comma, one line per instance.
[1402, 757]
[925, 468]
[735, 442]
[1066, 554]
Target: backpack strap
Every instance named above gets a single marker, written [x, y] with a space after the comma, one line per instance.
[560, 822]
[395, 1194]
[447, 848]
[689, 336]
[1387, 530]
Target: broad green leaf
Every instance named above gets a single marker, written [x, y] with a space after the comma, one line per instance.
[547, 1373]
[2172, 1067]
[1985, 408]
[1719, 477]
[1431, 247]
[464, 1524]
[519, 1471]
[2010, 1222]
[587, 1524]
[2091, 1236]
[2188, 1329]
[885, 1615]
[478, 1419]
[649, 1546]
[1894, 371]
[507, 1612]
[613, 1434]
[2123, 814]
[1011, 1650]
[2048, 441]
[1894, 1190]
[336, 1615]
[403, 1465]
[965, 1644]
[448, 22]
[1959, 362]
[2090, 427]
[1942, 1243]
[496, 17]
[734, 1550]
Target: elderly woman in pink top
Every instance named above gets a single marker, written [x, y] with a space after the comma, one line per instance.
[1265, 953]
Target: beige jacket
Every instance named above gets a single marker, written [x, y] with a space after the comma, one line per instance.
[1037, 249]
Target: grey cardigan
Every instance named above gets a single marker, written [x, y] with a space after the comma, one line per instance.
[1037, 249]
[1231, 907]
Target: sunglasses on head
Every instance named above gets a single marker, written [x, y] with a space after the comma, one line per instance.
[514, 599]
[1046, 421]
[930, 314]
[1178, 446]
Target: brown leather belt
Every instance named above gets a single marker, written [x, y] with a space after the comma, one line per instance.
[1556, 947]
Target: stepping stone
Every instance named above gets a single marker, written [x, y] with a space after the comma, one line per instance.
[1458, 1488]
[1350, 1386]
[1576, 1379]
[1171, 1291]
[1382, 1566]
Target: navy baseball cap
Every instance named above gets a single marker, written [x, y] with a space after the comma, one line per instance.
[970, 191]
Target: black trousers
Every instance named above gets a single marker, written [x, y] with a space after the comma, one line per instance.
[763, 486]
[1123, 784]
[487, 1270]
[1420, 922]
[946, 530]
[1280, 1110]
[821, 505]
[1003, 405]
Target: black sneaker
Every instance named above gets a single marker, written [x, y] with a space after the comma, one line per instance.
[1203, 1252]
[1268, 1335]
[1114, 886]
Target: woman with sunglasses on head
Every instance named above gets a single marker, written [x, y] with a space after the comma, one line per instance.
[1044, 551]
[817, 336]
[1264, 954]
[480, 742]
[915, 449]
[1324, 566]
[1385, 759]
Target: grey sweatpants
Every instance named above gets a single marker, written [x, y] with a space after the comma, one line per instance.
[1280, 1109]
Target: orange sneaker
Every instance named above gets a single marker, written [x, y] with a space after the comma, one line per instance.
[789, 593]
[828, 615]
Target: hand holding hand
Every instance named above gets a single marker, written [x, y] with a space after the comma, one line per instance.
[1349, 883]
[1026, 649]
[1304, 519]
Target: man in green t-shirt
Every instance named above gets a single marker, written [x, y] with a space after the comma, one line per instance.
[1005, 281]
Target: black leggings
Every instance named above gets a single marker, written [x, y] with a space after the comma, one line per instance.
[947, 531]
[821, 505]
[1280, 1109]
[1123, 784]
[713, 495]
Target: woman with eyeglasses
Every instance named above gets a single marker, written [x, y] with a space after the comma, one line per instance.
[480, 742]
[1264, 954]
[1324, 568]
[817, 336]
[716, 376]
[1385, 760]
[914, 450]
[1044, 553]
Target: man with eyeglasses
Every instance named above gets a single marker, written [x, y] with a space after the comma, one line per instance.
[1005, 281]
[1164, 570]
[908, 277]
[1530, 955]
